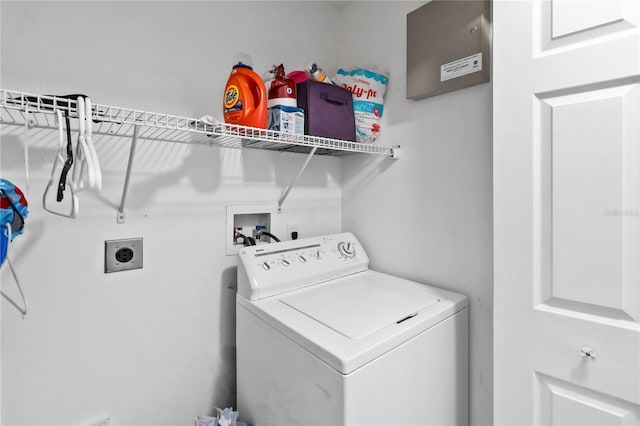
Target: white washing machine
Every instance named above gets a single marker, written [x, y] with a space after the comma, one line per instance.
[323, 340]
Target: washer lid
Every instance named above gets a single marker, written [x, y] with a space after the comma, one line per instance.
[361, 306]
[327, 318]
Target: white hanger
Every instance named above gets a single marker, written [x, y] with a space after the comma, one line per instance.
[22, 309]
[97, 173]
[59, 161]
[83, 164]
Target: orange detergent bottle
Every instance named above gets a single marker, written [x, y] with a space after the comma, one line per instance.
[245, 98]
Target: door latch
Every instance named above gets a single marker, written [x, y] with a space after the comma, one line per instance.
[588, 353]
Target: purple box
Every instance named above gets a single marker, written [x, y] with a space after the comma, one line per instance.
[328, 110]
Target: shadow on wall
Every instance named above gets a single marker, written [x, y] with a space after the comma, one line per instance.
[225, 382]
[12, 150]
[201, 166]
[156, 161]
[265, 166]
[367, 170]
[158, 165]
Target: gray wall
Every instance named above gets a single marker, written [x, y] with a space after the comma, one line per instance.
[427, 216]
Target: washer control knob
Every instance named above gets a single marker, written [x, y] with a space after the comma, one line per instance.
[285, 262]
[346, 250]
[302, 259]
[266, 266]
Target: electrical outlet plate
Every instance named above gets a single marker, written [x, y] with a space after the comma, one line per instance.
[122, 255]
[291, 228]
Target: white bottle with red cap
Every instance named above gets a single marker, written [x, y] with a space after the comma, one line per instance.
[282, 90]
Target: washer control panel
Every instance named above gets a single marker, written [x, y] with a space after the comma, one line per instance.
[270, 269]
[306, 256]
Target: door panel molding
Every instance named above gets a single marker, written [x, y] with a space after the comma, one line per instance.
[586, 168]
[562, 403]
[560, 24]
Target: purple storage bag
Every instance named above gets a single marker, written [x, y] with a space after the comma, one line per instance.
[328, 110]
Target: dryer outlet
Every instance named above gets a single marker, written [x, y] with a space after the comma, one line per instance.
[122, 255]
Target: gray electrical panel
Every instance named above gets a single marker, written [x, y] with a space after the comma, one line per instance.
[448, 47]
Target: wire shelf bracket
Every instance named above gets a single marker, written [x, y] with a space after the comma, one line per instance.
[121, 217]
[295, 179]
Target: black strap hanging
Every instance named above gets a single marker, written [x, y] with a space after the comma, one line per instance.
[62, 183]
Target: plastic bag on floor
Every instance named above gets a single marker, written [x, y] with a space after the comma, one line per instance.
[206, 421]
[226, 417]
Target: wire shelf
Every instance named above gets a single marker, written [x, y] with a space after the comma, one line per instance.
[20, 108]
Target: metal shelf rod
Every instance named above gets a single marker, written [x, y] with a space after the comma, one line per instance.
[121, 218]
[295, 179]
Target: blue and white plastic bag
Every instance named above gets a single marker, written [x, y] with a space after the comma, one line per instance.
[367, 88]
[13, 210]
[13, 206]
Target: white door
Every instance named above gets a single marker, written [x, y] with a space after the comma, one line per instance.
[567, 212]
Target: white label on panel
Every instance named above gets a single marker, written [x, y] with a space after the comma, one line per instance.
[461, 67]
